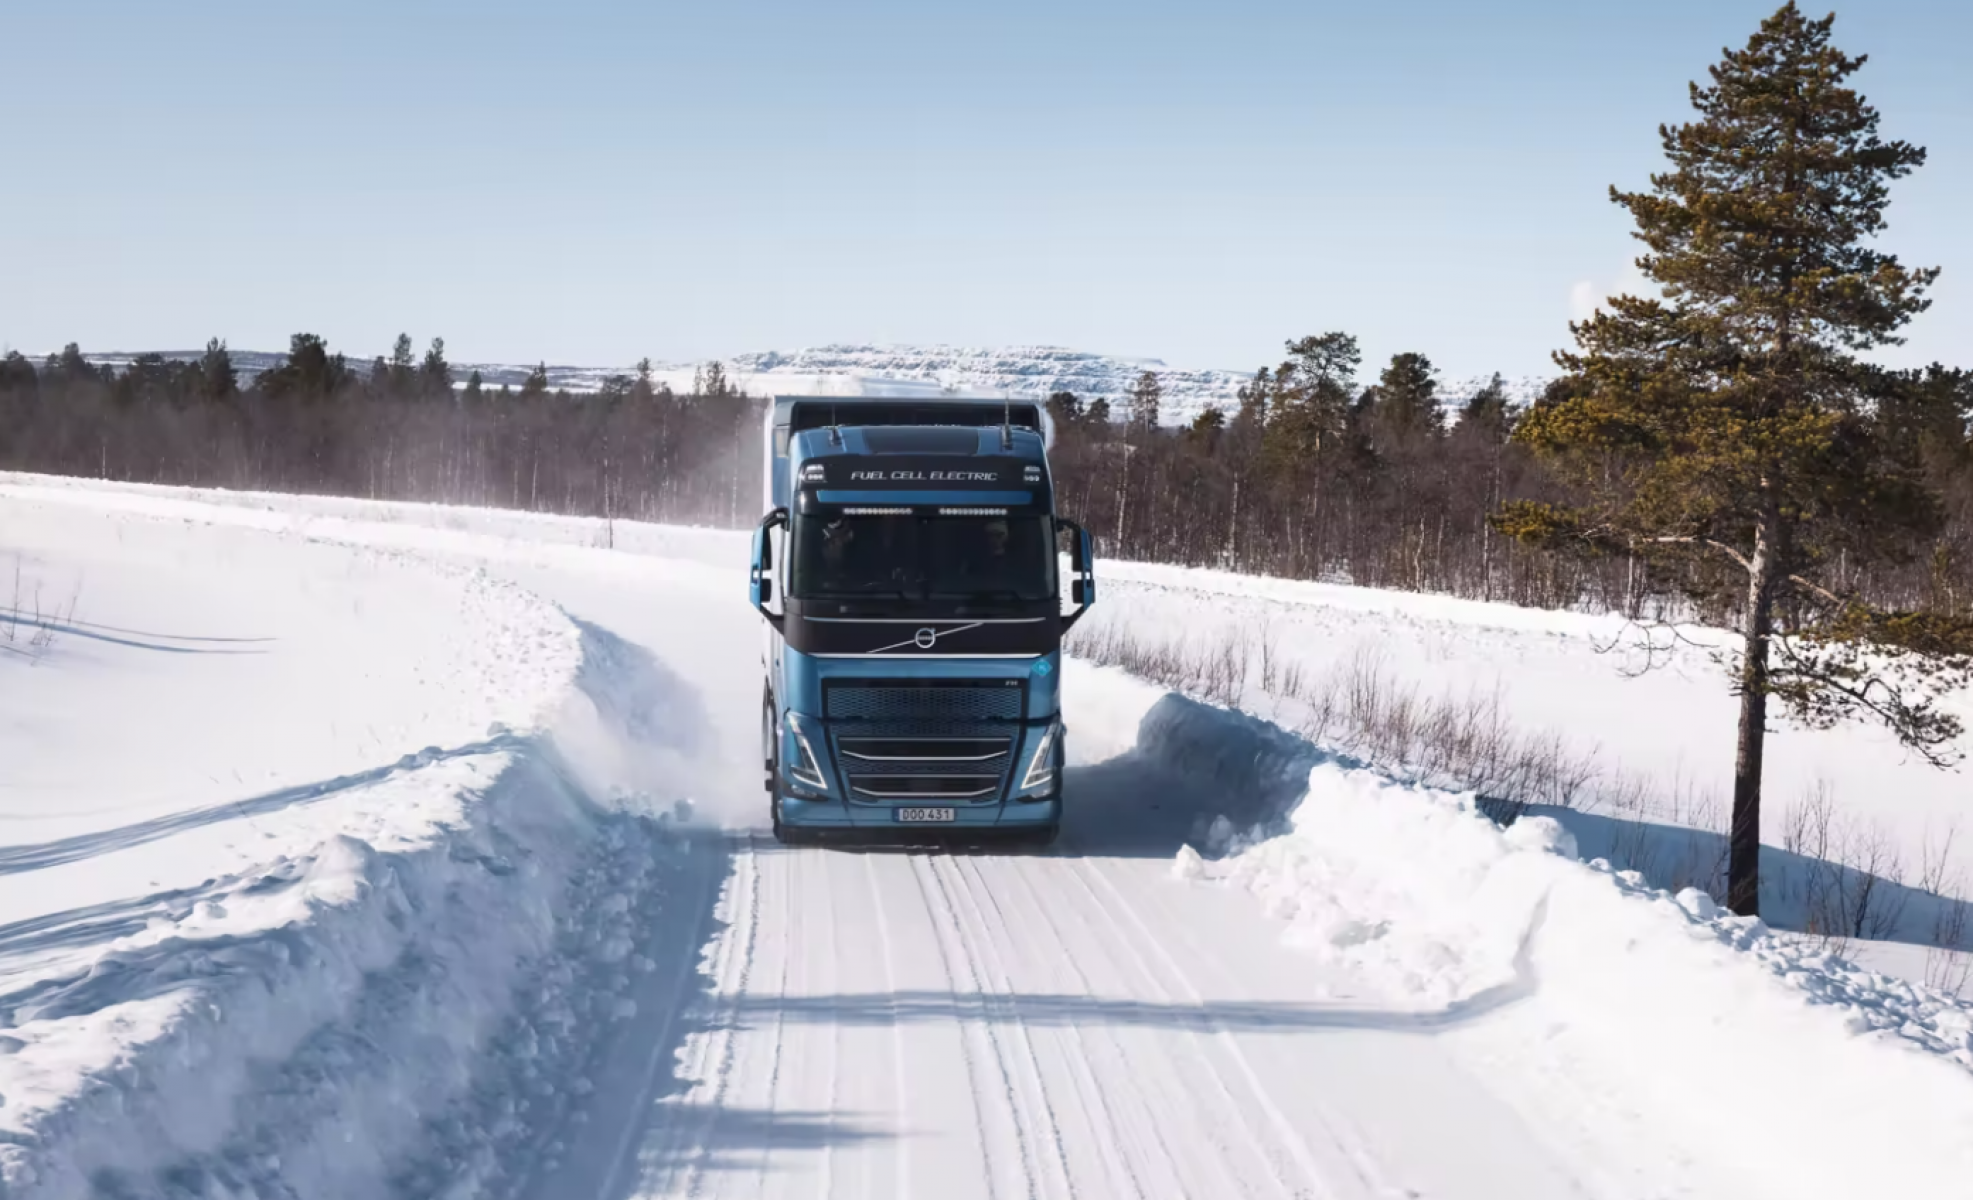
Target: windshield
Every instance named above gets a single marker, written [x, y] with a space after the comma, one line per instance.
[922, 558]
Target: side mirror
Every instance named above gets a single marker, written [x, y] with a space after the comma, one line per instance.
[1087, 545]
[760, 579]
[1082, 560]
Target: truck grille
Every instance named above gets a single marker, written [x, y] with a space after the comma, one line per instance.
[991, 701]
[935, 741]
[955, 789]
[957, 768]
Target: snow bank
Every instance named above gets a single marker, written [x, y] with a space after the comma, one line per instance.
[334, 1020]
[1761, 1051]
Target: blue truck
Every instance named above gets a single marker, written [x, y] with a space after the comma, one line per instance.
[908, 569]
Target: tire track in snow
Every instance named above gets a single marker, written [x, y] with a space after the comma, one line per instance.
[976, 1039]
[1119, 1177]
[1368, 1172]
[1134, 939]
[1144, 1125]
[831, 958]
[790, 922]
[980, 950]
[1158, 1084]
[901, 1162]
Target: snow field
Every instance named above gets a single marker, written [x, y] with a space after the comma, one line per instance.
[493, 950]
[296, 992]
[1575, 989]
[1863, 843]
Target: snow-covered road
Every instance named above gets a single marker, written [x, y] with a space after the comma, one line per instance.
[502, 967]
[1069, 1025]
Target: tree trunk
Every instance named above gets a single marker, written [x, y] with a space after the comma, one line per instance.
[1743, 871]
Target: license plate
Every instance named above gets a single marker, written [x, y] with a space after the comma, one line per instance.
[916, 815]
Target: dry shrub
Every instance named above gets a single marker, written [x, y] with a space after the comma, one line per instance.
[1673, 835]
[28, 626]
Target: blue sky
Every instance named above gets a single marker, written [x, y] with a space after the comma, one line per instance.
[589, 183]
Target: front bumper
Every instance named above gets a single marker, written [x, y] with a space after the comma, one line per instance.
[836, 814]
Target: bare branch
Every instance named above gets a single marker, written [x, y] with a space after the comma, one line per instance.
[1817, 588]
[1722, 547]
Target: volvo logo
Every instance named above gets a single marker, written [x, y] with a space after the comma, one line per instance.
[924, 639]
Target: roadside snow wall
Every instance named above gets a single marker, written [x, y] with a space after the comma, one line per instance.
[324, 1026]
[1822, 1079]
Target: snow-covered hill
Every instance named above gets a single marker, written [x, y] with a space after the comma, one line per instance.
[1018, 371]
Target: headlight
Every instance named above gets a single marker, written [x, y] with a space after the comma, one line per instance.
[806, 768]
[1041, 768]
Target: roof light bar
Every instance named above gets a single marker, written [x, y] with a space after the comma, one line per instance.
[972, 512]
[865, 511]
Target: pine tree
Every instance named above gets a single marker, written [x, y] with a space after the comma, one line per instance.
[402, 368]
[72, 367]
[536, 384]
[1727, 432]
[310, 371]
[1146, 395]
[475, 387]
[17, 375]
[1486, 413]
[1065, 409]
[1310, 407]
[1404, 409]
[435, 374]
[710, 382]
[216, 373]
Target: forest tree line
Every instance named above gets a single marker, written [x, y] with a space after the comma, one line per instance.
[1316, 471]
[400, 428]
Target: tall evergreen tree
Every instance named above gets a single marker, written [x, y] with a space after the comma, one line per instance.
[1404, 408]
[1729, 431]
[536, 383]
[1486, 413]
[310, 372]
[1065, 409]
[435, 374]
[475, 387]
[72, 367]
[217, 375]
[710, 381]
[17, 375]
[402, 368]
[1310, 411]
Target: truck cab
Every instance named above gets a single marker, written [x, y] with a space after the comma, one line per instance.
[908, 570]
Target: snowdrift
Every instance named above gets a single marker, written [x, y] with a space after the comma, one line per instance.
[398, 1010]
[1578, 976]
